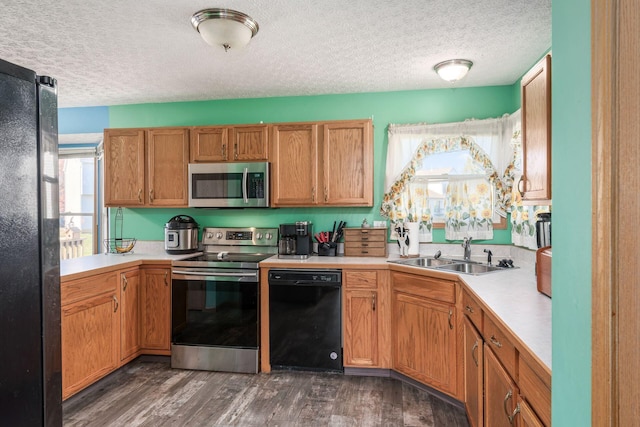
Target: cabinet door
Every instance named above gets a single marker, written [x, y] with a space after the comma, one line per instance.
[249, 143]
[124, 167]
[473, 367]
[361, 328]
[294, 165]
[129, 314]
[156, 310]
[168, 160]
[501, 393]
[536, 132]
[90, 341]
[425, 341]
[347, 166]
[528, 418]
[209, 144]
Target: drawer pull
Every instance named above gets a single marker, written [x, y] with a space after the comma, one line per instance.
[140, 195]
[115, 306]
[469, 309]
[473, 352]
[125, 282]
[365, 252]
[495, 341]
[166, 275]
[373, 301]
[450, 316]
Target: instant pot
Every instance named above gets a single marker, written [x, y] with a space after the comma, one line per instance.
[181, 235]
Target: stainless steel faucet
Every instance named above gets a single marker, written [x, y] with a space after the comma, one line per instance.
[466, 244]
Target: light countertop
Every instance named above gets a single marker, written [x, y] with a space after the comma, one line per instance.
[83, 266]
[510, 295]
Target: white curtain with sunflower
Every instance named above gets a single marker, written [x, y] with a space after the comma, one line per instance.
[468, 210]
[469, 203]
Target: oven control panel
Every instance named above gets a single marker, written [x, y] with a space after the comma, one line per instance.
[240, 236]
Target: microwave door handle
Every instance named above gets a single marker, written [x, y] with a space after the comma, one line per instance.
[245, 184]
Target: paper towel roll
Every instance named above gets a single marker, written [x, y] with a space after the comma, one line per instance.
[414, 238]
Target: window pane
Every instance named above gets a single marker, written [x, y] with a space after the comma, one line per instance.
[77, 202]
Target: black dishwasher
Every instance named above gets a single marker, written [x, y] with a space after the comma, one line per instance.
[305, 319]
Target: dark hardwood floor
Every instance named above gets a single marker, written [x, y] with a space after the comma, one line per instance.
[150, 393]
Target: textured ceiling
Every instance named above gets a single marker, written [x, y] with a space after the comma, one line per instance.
[125, 51]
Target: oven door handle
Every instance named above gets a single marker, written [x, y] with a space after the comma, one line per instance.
[199, 275]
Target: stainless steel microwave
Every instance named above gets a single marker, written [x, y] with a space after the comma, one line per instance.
[229, 185]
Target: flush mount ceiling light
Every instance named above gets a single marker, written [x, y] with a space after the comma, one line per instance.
[224, 27]
[453, 69]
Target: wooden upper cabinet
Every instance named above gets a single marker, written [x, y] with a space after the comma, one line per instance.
[294, 164]
[348, 163]
[168, 159]
[229, 144]
[124, 183]
[322, 164]
[536, 133]
[209, 144]
[249, 143]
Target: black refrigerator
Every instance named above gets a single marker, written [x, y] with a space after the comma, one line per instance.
[30, 351]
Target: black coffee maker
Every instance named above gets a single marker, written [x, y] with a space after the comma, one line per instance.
[295, 240]
[543, 229]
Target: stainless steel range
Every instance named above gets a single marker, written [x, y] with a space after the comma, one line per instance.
[215, 300]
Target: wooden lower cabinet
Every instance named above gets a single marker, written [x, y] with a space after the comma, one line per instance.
[108, 319]
[501, 393]
[473, 370]
[155, 310]
[366, 318]
[90, 331]
[129, 314]
[528, 417]
[425, 341]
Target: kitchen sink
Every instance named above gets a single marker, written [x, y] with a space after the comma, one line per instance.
[426, 262]
[452, 265]
[471, 268]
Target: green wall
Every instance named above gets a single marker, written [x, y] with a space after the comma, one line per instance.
[433, 106]
[571, 170]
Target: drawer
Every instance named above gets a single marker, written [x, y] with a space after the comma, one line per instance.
[360, 279]
[436, 289]
[500, 344]
[355, 250]
[472, 309]
[365, 235]
[76, 290]
[534, 390]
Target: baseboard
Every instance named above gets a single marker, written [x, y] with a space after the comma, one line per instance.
[367, 372]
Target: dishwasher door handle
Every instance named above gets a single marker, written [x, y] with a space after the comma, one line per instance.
[306, 283]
